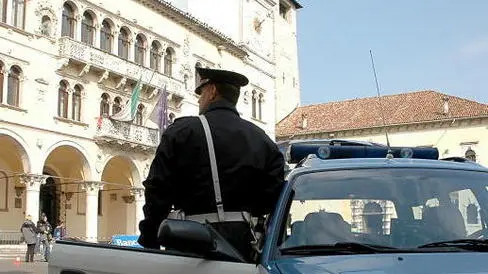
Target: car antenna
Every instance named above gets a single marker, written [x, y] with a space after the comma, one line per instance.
[389, 154]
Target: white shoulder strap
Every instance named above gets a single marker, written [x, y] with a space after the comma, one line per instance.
[213, 166]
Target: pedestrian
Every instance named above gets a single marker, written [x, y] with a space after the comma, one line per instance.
[29, 232]
[45, 236]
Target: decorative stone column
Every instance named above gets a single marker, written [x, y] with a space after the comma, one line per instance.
[33, 186]
[140, 200]
[5, 72]
[91, 212]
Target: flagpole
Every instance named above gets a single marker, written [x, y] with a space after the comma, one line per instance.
[150, 79]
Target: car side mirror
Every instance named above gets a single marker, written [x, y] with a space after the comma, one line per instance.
[186, 236]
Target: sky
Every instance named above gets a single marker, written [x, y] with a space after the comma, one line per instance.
[417, 45]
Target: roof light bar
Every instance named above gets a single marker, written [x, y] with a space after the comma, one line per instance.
[298, 152]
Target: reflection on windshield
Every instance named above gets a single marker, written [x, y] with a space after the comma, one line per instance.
[402, 208]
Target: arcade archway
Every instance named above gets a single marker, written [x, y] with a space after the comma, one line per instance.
[62, 197]
[117, 202]
[14, 161]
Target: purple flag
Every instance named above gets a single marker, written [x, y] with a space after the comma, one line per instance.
[159, 114]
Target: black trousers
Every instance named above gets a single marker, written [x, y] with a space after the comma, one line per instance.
[239, 235]
[29, 255]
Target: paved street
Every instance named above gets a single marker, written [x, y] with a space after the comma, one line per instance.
[11, 267]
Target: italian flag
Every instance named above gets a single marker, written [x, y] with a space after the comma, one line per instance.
[128, 113]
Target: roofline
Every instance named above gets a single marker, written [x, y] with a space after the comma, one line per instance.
[384, 126]
[409, 92]
[192, 23]
[296, 4]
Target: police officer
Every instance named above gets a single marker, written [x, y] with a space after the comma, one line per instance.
[250, 165]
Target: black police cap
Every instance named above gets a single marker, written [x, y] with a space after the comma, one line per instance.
[220, 76]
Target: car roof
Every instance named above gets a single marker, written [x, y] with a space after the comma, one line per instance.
[314, 164]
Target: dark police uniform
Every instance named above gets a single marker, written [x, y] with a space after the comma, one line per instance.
[250, 168]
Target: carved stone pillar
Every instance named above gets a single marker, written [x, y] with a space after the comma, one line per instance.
[115, 42]
[5, 84]
[91, 222]
[33, 187]
[140, 200]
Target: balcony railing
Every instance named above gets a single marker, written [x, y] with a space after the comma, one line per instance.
[76, 50]
[125, 133]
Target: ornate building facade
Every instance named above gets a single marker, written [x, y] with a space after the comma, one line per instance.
[67, 66]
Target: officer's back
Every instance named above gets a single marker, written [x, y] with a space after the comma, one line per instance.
[248, 180]
[250, 165]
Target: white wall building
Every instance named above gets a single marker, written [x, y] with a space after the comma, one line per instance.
[64, 64]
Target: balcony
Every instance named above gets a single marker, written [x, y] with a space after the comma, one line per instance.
[126, 135]
[109, 63]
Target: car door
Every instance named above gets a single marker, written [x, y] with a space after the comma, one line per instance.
[71, 258]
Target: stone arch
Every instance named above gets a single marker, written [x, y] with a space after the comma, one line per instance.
[14, 161]
[87, 168]
[21, 145]
[116, 201]
[135, 173]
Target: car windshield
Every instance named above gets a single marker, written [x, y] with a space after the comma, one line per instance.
[392, 207]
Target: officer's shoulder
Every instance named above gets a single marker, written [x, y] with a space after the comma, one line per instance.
[255, 128]
[182, 123]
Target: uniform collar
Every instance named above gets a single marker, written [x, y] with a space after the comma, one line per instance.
[222, 104]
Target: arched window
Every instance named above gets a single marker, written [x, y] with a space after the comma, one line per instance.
[3, 11]
[87, 28]
[46, 26]
[124, 43]
[18, 13]
[253, 103]
[140, 109]
[13, 92]
[470, 155]
[197, 76]
[117, 106]
[76, 113]
[168, 62]
[2, 76]
[106, 37]
[472, 214]
[260, 106]
[68, 21]
[155, 62]
[140, 49]
[185, 81]
[63, 99]
[105, 105]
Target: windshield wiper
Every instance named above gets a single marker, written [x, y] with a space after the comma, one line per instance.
[473, 244]
[338, 248]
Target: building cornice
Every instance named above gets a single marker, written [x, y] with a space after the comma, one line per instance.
[193, 24]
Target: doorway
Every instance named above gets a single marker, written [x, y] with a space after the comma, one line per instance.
[49, 201]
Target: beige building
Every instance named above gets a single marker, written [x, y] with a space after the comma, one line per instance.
[67, 66]
[457, 127]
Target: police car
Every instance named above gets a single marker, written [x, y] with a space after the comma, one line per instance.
[344, 209]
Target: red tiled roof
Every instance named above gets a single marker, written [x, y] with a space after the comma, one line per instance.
[404, 108]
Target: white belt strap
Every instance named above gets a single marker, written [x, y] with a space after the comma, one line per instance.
[213, 166]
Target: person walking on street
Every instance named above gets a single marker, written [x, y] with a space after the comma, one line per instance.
[29, 232]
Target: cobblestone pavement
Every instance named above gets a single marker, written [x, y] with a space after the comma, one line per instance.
[10, 266]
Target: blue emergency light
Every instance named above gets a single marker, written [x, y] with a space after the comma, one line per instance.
[297, 152]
